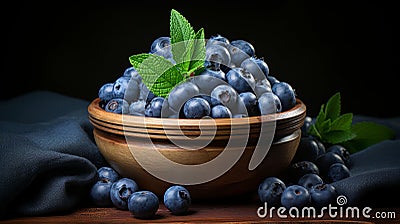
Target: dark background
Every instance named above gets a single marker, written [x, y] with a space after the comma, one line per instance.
[319, 47]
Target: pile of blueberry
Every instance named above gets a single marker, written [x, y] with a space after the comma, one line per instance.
[123, 193]
[234, 83]
[308, 180]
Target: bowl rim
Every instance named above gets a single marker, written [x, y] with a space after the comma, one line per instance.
[97, 113]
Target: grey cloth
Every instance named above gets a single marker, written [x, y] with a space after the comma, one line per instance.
[47, 154]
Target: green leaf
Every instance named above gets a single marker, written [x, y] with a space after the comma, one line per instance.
[367, 134]
[182, 40]
[313, 131]
[342, 123]
[199, 52]
[320, 118]
[158, 73]
[336, 137]
[325, 126]
[333, 107]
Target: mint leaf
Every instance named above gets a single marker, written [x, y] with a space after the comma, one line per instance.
[188, 51]
[333, 128]
[182, 40]
[367, 134]
[333, 107]
[199, 52]
[314, 131]
[342, 123]
[158, 73]
[336, 137]
[320, 118]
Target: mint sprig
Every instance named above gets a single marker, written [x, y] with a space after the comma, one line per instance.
[332, 127]
[188, 50]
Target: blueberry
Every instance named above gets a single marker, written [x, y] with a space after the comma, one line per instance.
[269, 103]
[143, 204]
[161, 46]
[180, 94]
[196, 108]
[241, 80]
[261, 87]
[325, 160]
[286, 94]
[307, 150]
[341, 151]
[309, 180]
[208, 79]
[106, 173]
[177, 199]
[337, 171]
[126, 88]
[257, 67]
[322, 195]
[240, 50]
[308, 121]
[270, 190]
[217, 55]
[145, 93]
[120, 192]
[100, 193]
[137, 108]
[154, 108]
[220, 111]
[211, 100]
[251, 103]
[272, 79]
[218, 40]
[117, 106]
[321, 147]
[295, 196]
[298, 169]
[132, 73]
[226, 95]
[106, 92]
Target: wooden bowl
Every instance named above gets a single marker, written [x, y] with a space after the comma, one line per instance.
[127, 143]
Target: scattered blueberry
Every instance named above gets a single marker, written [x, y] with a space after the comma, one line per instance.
[270, 190]
[325, 160]
[298, 169]
[108, 174]
[143, 204]
[309, 180]
[295, 196]
[341, 151]
[120, 192]
[337, 171]
[322, 195]
[307, 150]
[177, 199]
[100, 193]
[306, 125]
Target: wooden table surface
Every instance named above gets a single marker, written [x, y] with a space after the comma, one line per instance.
[199, 213]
